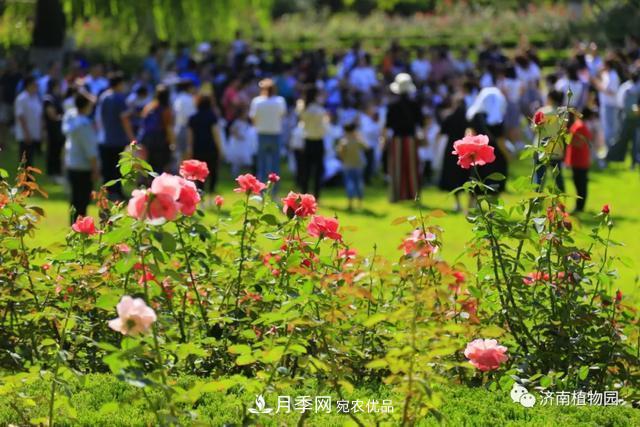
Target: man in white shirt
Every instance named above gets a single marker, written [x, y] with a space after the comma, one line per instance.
[28, 113]
[183, 108]
[267, 112]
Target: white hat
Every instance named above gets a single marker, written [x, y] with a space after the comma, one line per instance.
[402, 84]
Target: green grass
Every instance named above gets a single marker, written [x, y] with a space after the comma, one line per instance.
[617, 186]
[460, 406]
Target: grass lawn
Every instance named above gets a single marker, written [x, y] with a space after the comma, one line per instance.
[617, 186]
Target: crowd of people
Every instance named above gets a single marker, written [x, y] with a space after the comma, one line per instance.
[339, 117]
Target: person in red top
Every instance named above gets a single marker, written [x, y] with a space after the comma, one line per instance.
[578, 155]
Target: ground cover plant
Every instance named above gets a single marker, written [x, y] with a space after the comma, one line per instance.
[271, 297]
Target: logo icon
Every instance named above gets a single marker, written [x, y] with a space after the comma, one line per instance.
[261, 406]
[522, 396]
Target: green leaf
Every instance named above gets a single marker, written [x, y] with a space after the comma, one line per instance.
[107, 301]
[109, 408]
[376, 318]
[496, 176]
[190, 348]
[245, 359]
[347, 386]
[47, 341]
[168, 243]
[273, 355]
[583, 373]
[377, 364]
[239, 349]
[269, 219]
[217, 386]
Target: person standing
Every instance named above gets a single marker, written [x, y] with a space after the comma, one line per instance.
[156, 131]
[267, 112]
[203, 140]
[114, 116]
[607, 84]
[578, 155]
[628, 99]
[28, 130]
[370, 130]
[404, 119]
[53, 112]
[453, 126]
[313, 121]
[183, 108]
[81, 154]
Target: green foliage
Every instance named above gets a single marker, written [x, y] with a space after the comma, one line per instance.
[265, 301]
[571, 326]
[101, 399]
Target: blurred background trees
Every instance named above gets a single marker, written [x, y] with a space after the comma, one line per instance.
[119, 28]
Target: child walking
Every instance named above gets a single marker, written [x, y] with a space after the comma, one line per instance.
[351, 150]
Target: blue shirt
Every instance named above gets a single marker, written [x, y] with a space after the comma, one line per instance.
[112, 106]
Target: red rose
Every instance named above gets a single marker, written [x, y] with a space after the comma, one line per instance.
[606, 209]
[195, 170]
[273, 177]
[219, 201]
[322, 227]
[538, 118]
[299, 204]
[84, 225]
[473, 151]
[248, 183]
[618, 296]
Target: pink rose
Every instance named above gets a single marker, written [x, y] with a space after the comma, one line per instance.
[188, 198]
[486, 355]
[167, 184]
[473, 151]
[84, 225]
[301, 205]
[194, 170]
[162, 207]
[219, 201]
[322, 227]
[134, 316]
[274, 177]
[138, 204]
[123, 248]
[248, 183]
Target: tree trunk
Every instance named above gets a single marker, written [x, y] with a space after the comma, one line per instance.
[48, 33]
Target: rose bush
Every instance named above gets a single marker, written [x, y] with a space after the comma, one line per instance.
[271, 295]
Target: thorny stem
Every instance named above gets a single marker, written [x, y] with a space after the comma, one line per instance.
[194, 287]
